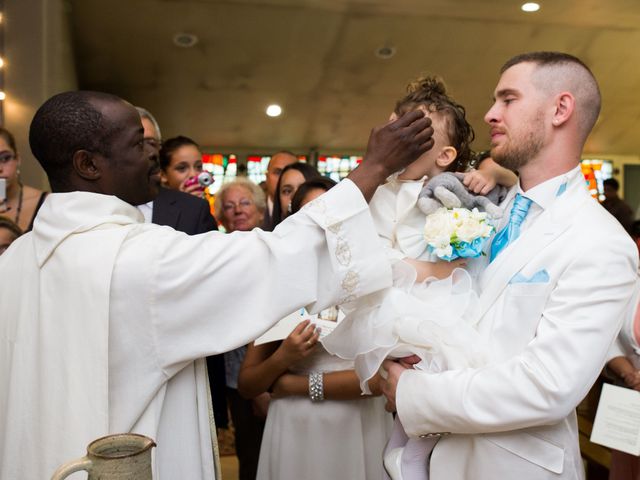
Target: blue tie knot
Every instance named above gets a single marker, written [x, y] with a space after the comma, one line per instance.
[511, 231]
[519, 210]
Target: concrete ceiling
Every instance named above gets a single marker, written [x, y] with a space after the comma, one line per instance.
[317, 59]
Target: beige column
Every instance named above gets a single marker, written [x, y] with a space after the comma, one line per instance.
[39, 62]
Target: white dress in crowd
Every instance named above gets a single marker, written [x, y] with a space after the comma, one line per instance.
[429, 319]
[330, 439]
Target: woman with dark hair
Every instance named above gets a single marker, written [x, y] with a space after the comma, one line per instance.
[310, 190]
[291, 178]
[180, 164]
[21, 202]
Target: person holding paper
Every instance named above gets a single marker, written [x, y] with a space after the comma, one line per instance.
[626, 365]
[548, 308]
[319, 426]
[107, 319]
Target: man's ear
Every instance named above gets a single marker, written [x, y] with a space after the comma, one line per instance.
[85, 165]
[446, 157]
[564, 106]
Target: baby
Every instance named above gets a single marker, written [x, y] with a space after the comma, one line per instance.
[428, 319]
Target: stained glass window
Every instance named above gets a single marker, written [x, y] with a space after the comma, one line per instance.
[337, 167]
[596, 171]
[257, 166]
[224, 168]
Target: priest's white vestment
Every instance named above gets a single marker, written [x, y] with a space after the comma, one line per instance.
[105, 320]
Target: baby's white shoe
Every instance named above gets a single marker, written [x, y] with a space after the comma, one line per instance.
[393, 463]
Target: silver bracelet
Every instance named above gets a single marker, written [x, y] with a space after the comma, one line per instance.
[316, 386]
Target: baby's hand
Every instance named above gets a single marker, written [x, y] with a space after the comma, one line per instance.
[479, 182]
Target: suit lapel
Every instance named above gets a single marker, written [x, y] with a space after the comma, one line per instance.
[545, 229]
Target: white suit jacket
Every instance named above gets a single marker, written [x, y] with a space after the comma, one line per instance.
[551, 305]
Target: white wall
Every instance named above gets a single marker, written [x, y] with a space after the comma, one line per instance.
[38, 63]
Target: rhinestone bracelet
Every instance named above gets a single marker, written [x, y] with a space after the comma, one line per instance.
[316, 386]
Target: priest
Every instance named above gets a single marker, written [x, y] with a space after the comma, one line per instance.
[105, 318]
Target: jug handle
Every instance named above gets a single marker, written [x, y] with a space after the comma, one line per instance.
[73, 466]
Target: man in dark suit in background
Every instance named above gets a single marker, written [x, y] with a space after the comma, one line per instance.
[278, 161]
[176, 209]
[191, 215]
[183, 212]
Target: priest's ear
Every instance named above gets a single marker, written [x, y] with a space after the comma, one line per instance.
[86, 165]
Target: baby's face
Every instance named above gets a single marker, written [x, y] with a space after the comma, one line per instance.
[425, 164]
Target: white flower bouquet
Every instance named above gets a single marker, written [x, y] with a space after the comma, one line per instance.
[457, 232]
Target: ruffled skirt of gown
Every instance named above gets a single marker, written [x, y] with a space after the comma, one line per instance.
[432, 319]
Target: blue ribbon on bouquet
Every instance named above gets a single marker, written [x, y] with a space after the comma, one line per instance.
[461, 249]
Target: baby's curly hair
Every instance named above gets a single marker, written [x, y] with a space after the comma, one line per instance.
[430, 92]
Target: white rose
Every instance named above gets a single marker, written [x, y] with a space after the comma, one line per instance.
[439, 227]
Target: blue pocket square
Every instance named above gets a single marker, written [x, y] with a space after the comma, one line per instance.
[541, 276]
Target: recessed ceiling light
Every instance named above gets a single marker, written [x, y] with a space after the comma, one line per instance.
[185, 40]
[530, 7]
[386, 52]
[2, 95]
[274, 110]
[1, 62]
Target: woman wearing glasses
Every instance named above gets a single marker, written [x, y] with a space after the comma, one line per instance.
[20, 202]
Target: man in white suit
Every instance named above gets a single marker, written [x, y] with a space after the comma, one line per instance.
[551, 300]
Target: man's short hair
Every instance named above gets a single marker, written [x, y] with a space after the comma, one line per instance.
[283, 152]
[561, 71]
[144, 113]
[66, 123]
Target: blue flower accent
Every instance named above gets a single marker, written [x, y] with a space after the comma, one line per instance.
[472, 249]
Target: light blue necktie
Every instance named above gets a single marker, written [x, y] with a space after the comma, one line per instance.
[512, 230]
